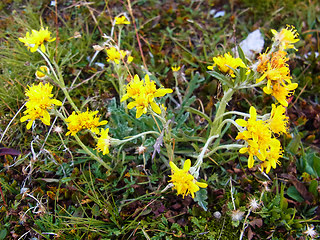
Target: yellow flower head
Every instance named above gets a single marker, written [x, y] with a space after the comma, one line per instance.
[134, 88]
[144, 93]
[36, 39]
[281, 91]
[103, 141]
[183, 181]
[274, 69]
[39, 101]
[175, 68]
[259, 140]
[278, 121]
[121, 20]
[286, 37]
[226, 63]
[141, 103]
[273, 154]
[115, 55]
[84, 120]
[41, 73]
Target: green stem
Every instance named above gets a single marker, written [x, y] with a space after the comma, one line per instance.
[66, 93]
[84, 147]
[119, 37]
[50, 65]
[58, 79]
[221, 110]
[195, 169]
[227, 146]
[201, 114]
[136, 136]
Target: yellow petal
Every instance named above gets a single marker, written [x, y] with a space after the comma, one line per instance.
[29, 124]
[242, 122]
[139, 112]
[243, 150]
[250, 161]
[155, 108]
[42, 48]
[202, 184]
[131, 105]
[187, 165]
[46, 118]
[173, 166]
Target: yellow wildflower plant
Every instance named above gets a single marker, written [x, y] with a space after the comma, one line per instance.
[286, 37]
[103, 141]
[227, 63]
[260, 142]
[42, 72]
[183, 181]
[84, 120]
[36, 39]
[121, 20]
[39, 102]
[278, 121]
[144, 93]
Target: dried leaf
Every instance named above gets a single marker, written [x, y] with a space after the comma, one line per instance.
[9, 151]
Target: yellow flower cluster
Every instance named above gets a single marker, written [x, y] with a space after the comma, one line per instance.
[36, 39]
[144, 93]
[121, 20]
[277, 72]
[38, 103]
[260, 137]
[115, 55]
[103, 141]
[183, 181]
[84, 120]
[227, 63]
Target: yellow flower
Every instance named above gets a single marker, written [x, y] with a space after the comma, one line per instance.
[281, 92]
[143, 93]
[115, 55]
[258, 137]
[273, 154]
[226, 63]
[286, 37]
[278, 121]
[84, 120]
[133, 89]
[183, 181]
[41, 73]
[175, 68]
[36, 39]
[103, 141]
[151, 90]
[39, 101]
[121, 20]
[141, 103]
[277, 72]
